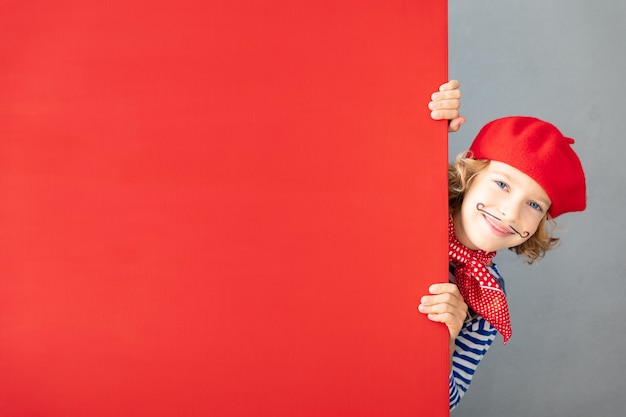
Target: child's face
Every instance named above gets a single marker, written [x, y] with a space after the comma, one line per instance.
[502, 208]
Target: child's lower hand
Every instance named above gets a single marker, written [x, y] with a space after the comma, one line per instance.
[445, 305]
[445, 105]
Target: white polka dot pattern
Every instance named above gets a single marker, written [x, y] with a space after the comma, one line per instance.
[480, 290]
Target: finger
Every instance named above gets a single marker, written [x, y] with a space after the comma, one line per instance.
[444, 114]
[444, 301]
[445, 318]
[443, 287]
[447, 296]
[446, 95]
[455, 124]
[452, 318]
[450, 85]
[442, 308]
[449, 104]
[451, 314]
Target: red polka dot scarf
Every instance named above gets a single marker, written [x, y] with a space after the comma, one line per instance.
[479, 288]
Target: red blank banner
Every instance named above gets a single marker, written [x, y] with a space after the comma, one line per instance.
[224, 208]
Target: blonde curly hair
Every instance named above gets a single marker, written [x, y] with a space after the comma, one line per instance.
[462, 172]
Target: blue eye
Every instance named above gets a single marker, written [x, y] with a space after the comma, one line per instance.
[535, 206]
[501, 185]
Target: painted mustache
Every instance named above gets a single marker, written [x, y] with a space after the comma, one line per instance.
[480, 207]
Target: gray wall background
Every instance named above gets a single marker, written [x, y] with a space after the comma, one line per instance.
[563, 61]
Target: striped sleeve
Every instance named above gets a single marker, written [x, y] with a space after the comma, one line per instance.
[471, 345]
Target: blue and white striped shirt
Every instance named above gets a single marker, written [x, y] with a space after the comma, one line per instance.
[472, 344]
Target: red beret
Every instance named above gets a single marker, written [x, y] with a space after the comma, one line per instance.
[539, 150]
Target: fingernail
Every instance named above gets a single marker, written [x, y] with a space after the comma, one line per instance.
[422, 308]
[435, 96]
[434, 115]
[431, 105]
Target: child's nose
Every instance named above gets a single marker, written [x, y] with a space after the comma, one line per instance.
[509, 211]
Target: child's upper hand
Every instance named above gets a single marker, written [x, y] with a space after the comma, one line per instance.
[445, 305]
[445, 105]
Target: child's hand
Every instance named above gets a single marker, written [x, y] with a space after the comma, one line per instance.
[445, 104]
[445, 305]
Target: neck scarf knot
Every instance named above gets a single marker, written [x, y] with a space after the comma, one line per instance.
[480, 290]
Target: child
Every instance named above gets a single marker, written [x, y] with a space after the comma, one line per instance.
[518, 175]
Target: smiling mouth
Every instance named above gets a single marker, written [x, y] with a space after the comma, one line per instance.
[498, 225]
